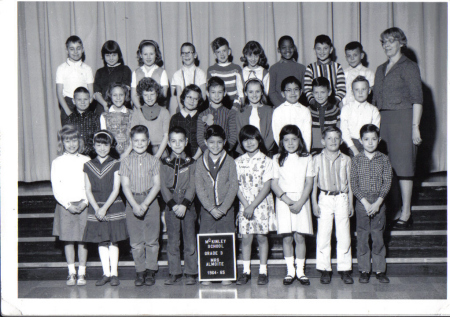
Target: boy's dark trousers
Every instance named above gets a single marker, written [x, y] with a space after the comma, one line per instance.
[225, 224]
[187, 225]
[373, 226]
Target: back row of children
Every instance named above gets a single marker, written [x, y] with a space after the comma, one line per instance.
[75, 73]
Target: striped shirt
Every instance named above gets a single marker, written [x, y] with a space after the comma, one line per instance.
[231, 74]
[325, 115]
[222, 116]
[332, 174]
[371, 176]
[140, 169]
[332, 71]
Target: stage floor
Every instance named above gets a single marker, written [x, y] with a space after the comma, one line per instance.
[399, 288]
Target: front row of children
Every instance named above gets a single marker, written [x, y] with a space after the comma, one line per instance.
[216, 178]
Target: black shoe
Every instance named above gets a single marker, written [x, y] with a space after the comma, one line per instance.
[243, 279]
[364, 278]
[140, 279]
[263, 279]
[304, 280]
[150, 278]
[105, 279]
[172, 279]
[402, 225]
[190, 279]
[382, 278]
[326, 277]
[346, 277]
[114, 281]
[288, 280]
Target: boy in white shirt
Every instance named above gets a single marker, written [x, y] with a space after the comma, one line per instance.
[292, 112]
[354, 54]
[356, 114]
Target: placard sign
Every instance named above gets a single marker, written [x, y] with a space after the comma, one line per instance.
[216, 256]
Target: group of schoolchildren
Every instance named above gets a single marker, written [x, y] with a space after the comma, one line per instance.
[127, 161]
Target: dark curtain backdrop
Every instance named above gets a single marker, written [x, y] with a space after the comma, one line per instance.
[43, 28]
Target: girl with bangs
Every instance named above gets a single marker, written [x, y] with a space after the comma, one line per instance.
[255, 64]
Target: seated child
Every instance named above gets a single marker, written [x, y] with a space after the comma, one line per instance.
[150, 61]
[229, 72]
[178, 191]
[324, 112]
[217, 114]
[256, 112]
[292, 112]
[256, 209]
[189, 74]
[357, 113]
[216, 185]
[118, 118]
[155, 117]
[354, 54]
[287, 66]
[72, 74]
[139, 175]
[86, 121]
[187, 118]
[371, 177]
[325, 67]
[255, 64]
[332, 182]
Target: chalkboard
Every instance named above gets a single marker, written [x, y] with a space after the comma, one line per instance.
[216, 256]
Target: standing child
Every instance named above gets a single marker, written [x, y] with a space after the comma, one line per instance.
[287, 66]
[153, 116]
[216, 185]
[178, 191]
[68, 186]
[324, 112]
[325, 67]
[256, 210]
[106, 222]
[255, 64]
[217, 114]
[86, 121]
[332, 169]
[292, 112]
[230, 73]
[114, 71]
[72, 74]
[189, 74]
[150, 61]
[118, 118]
[357, 113]
[256, 112]
[187, 118]
[354, 54]
[371, 177]
[139, 175]
[293, 175]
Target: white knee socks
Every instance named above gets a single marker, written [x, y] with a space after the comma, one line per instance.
[290, 265]
[103, 251]
[300, 264]
[114, 258]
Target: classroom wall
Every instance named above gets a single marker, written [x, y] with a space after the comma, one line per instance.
[43, 28]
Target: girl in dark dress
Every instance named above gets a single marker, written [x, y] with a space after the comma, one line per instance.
[106, 223]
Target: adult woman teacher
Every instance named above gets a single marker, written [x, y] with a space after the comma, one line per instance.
[398, 96]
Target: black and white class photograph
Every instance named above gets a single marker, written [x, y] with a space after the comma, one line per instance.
[224, 158]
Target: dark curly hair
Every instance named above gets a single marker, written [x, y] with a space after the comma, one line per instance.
[253, 47]
[189, 88]
[148, 84]
[145, 43]
[114, 85]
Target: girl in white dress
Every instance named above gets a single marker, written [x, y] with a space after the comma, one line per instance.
[256, 211]
[292, 183]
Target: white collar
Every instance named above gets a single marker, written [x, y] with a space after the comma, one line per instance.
[72, 63]
[188, 69]
[123, 109]
[224, 64]
[257, 155]
[184, 113]
[147, 70]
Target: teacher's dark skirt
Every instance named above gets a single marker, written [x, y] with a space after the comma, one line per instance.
[396, 132]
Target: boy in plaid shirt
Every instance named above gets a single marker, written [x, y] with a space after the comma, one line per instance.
[371, 177]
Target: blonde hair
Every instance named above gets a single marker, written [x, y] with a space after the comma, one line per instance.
[69, 131]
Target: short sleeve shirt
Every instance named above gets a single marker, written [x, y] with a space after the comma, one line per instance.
[73, 75]
[140, 169]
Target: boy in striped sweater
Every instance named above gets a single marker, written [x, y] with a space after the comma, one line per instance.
[230, 73]
[325, 67]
